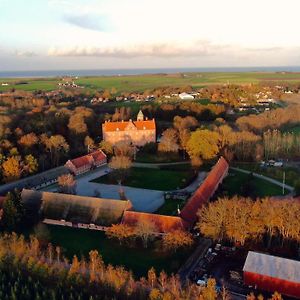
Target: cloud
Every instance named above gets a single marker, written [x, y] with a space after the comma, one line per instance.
[89, 21]
[265, 49]
[195, 49]
[25, 53]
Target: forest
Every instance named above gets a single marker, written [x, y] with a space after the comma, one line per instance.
[240, 220]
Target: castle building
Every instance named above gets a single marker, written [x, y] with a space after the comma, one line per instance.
[139, 132]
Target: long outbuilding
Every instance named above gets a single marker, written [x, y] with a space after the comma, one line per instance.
[205, 191]
[75, 209]
[272, 273]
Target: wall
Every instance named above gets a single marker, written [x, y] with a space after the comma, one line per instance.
[272, 284]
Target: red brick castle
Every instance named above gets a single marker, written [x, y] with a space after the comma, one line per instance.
[139, 132]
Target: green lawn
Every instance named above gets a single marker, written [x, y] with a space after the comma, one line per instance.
[237, 183]
[164, 179]
[158, 157]
[170, 207]
[291, 174]
[294, 129]
[139, 260]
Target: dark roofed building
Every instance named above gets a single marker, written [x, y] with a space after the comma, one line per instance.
[163, 224]
[35, 181]
[205, 191]
[76, 209]
[272, 273]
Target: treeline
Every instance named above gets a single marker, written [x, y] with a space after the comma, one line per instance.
[280, 145]
[201, 112]
[273, 119]
[30, 272]
[232, 94]
[241, 219]
[44, 138]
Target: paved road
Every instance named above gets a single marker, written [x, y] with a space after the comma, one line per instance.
[287, 187]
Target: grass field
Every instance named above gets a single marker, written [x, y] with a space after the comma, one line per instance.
[170, 207]
[237, 183]
[158, 158]
[273, 172]
[139, 260]
[154, 179]
[140, 83]
[295, 129]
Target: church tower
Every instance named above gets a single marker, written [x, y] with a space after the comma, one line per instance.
[140, 116]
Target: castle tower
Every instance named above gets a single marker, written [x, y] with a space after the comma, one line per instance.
[140, 116]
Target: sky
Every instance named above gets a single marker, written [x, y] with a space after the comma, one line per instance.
[115, 34]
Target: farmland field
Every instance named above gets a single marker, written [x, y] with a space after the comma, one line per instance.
[140, 83]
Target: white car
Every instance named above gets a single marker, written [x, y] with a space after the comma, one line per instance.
[201, 282]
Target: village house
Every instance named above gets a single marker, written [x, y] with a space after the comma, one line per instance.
[139, 132]
[87, 162]
[186, 96]
[272, 273]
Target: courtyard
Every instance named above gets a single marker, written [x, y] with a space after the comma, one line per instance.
[161, 179]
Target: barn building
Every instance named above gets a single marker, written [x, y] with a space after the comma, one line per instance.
[161, 224]
[87, 162]
[272, 273]
[139, 132]
[204, 192]
[75, 209]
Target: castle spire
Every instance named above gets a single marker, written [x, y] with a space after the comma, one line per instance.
[140, 116]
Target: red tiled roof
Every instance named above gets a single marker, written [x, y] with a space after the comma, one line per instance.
[81, 161]
[163, 224]
[121, 126]
[205, 191]
[88, 159]
[98, 155]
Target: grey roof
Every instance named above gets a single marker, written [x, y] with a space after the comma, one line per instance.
[273, 266]
[34, 180]
[77, 209]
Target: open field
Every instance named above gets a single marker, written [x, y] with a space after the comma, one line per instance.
[237, 183]
[273, 172]
[170, 207]
[139, 260]
[163, 179]
[161, 158]
[294, 129]
[140, 83]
